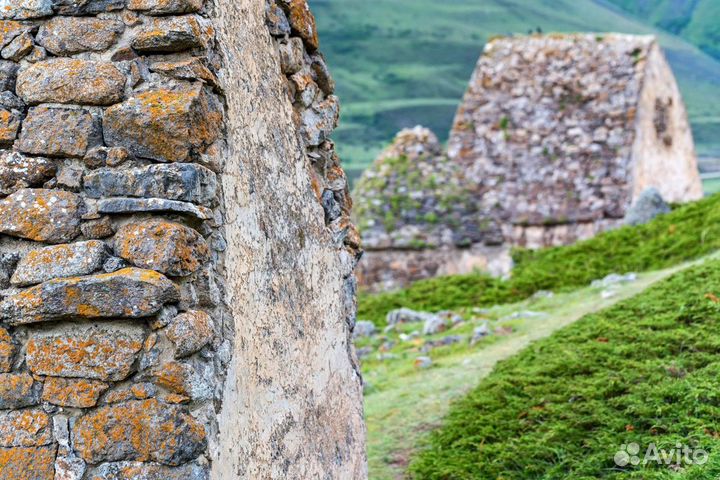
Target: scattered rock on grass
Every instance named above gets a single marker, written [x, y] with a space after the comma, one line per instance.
[479, 333]
[364, 328]
[423, 362]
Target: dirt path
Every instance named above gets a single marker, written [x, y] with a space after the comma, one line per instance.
[399, 416]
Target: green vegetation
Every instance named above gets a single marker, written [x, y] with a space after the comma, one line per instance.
[399, 63]
[402, 403]
[643, 371]
[687, 232]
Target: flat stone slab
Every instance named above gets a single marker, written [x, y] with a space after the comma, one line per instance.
[59, 261]
[91, 354]
[133, 205]
[127, 293]
[186, 182]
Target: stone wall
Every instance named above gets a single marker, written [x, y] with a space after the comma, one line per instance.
[556, 137]
[174, 236]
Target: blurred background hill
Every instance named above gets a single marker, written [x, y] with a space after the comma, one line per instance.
[399, 63]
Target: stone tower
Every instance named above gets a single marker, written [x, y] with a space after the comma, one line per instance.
[176, 256]
[555, 138]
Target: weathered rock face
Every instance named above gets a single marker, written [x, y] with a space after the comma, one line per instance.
[556, 137]
[170, 207]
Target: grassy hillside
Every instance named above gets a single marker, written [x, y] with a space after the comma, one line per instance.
[403, 62]
[697, 21]
[687, 232]
[644, 371]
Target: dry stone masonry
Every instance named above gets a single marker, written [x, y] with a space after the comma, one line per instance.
[176, 255]
[556, 137]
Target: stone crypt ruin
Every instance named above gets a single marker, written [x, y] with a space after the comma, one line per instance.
[555, 138]
[176, 257]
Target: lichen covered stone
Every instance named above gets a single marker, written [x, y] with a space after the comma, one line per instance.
[18, 390]
[91, 354]
[164, 7]
[64, 36]
[59, 132]
[186, 182]
[28, 463]
[302, 22]
[60, 261]
[19, 171]
[25, 9]
[70, 80]
[141, 431]
[173, 34]
[51, 216]
[73, 392]
[165, 125]
[168, 247]
[87, 7]
[25, 428]
[190, 332]
[127, 293]
[7, 351]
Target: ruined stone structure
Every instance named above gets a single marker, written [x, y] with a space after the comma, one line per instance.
[176, 255]
[556, 137]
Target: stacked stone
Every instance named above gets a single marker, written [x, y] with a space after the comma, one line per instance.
[316, 110]
[112, 325]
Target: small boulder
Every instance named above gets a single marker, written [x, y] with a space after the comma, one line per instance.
[364, 328]
[128, 293]
[647, 206]
[434, 325]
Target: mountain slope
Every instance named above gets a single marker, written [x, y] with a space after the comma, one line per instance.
[403, 62]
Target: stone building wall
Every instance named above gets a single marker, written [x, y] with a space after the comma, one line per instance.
[174, 235]
[556, 136]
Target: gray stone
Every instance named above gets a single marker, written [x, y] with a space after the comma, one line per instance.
[479, 333]
[113, 264]
[433, 325]
[364, 328]
[91, 354]
[128, 293]
[87, 7]
[165, 125]
[291, 55]
[133, 205]
[10, 101]
[25, 9]
[57, 131]
[648, 205]
[185, 182]
[8, 74]
[60, 261]
[423, 362]
[149, 471]
[192, 69]
[51, 216]
[18, 171]
[172, 34]
[19, 390]
[277, 21]
[164, 7]
[321, 74]
[405, 315]
[190, 332]
[64, 36]
[144, 430]
[70, 80]
[20, 47]
[319, 121]
[614, 279]
[98, 228]
[69, 468]
[185, 378]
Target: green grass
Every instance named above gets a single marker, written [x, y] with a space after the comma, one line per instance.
[399, 63]
[643, 371]
[688, 232]
[403, 403]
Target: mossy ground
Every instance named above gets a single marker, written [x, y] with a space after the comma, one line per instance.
[688, 232]
[643, 371]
